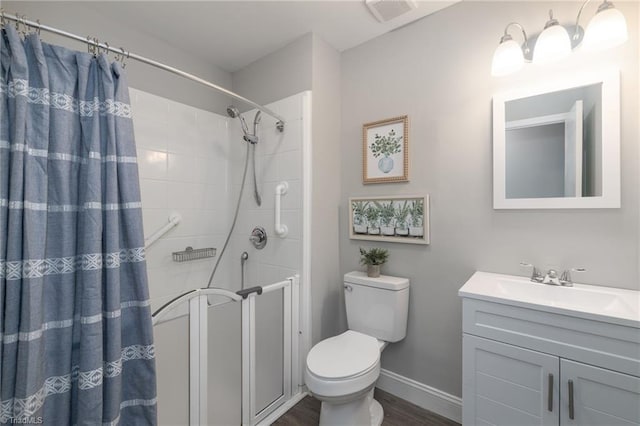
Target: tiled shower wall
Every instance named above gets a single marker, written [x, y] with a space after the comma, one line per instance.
[191, 163]
[183, 160]
[278, 158]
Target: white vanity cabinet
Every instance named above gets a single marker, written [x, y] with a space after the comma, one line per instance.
[508, 385]
[526, 362]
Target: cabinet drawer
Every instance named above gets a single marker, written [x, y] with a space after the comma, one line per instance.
[611, 346]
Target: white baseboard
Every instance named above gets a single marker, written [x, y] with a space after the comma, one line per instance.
[424, 396]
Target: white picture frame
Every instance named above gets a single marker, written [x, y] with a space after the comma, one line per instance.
[395, 219]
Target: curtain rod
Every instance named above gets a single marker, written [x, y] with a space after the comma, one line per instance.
[22, 20]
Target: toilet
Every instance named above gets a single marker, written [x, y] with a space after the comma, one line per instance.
[341, 371]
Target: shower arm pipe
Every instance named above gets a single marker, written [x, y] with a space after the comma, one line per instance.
[119, 51]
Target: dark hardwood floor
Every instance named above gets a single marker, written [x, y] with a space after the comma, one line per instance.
[397, 412]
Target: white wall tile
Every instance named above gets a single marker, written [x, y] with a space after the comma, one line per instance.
[152, 164]
[186, 195]
[191, 162]
[272, 140]
[290, 108]
[153, 194]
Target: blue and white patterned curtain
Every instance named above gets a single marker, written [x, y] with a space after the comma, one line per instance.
[76, 343]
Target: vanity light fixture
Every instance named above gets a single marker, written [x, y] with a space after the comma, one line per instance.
[606, 29]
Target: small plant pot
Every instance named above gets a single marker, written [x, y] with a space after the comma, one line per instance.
[374, 231]
[388, 230]
[403, 232]
[360, 229]
[415, 231]
[373, 271]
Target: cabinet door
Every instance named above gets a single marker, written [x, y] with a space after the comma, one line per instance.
[507, 385]
[600, 397]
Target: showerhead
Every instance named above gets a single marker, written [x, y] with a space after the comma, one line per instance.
[233, 112]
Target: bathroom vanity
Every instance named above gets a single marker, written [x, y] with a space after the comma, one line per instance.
[538, 354]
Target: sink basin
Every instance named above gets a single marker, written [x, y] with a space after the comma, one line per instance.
[621, 306]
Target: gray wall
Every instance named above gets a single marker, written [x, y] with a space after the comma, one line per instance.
[79, 18]
[326, 288]
[282, 73]
[437, 71]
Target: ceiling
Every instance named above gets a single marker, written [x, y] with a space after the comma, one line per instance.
[233, 34]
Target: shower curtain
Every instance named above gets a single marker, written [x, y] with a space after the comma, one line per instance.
[76, 343]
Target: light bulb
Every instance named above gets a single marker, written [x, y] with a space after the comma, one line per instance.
[608, 28]
[508, 58]
[552, 44]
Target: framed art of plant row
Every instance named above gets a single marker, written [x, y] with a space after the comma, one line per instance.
[396, 219]
[385, 150]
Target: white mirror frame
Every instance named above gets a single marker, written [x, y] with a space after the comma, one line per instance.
[610, 144]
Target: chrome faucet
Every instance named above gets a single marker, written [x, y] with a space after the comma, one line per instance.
[551, 277]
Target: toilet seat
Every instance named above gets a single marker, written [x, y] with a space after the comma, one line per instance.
[343, 365]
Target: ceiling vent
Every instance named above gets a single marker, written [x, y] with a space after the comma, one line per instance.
[386, 10]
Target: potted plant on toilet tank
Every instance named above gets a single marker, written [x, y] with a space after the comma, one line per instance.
[373, 259]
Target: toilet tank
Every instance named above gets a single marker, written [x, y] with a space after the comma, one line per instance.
[377, 307]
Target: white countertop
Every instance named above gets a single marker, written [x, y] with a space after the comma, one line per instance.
[608, 304]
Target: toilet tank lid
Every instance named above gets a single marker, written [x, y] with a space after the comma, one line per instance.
[383, 281]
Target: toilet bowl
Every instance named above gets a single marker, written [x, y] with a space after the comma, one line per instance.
[342, 370]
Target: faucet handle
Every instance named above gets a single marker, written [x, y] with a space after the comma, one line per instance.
[565, 278]
[536, 276]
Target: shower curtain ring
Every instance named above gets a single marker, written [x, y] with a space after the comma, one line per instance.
[38, 27]
[3, 20]
[25, 28]
[125, 55]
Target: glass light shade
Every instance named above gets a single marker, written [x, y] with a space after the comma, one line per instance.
[507, 58]
[553, 44]
[607, 29]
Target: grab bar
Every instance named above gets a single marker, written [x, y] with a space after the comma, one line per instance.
[174, 220]
[281, 230]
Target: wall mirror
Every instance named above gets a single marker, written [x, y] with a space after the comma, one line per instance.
[557, 145]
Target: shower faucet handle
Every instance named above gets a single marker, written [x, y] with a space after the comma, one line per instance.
[258, 237]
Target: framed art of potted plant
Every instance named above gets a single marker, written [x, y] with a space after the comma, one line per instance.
[397, 219]
[385, 155]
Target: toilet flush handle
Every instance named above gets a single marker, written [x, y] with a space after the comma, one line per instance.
[348, 287]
